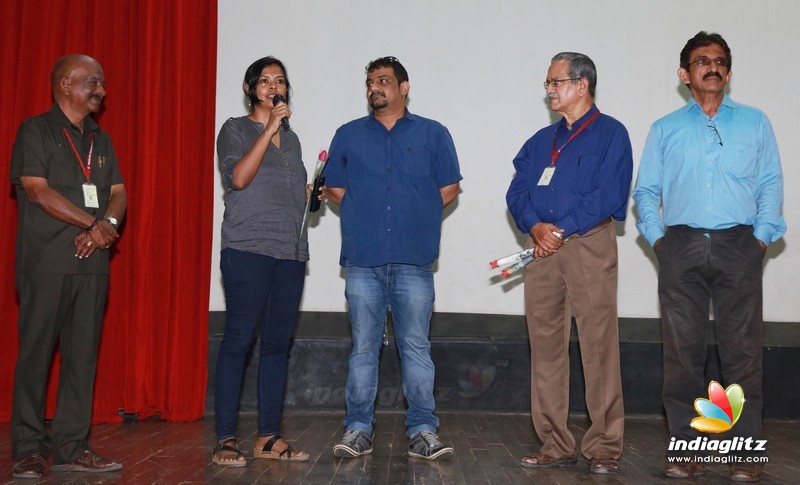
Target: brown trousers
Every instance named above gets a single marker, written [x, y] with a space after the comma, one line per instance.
[581, 274]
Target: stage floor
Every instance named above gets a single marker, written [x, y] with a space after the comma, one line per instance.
[488, 448]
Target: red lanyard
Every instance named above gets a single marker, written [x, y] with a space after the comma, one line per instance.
[87, 167]
[557, 152]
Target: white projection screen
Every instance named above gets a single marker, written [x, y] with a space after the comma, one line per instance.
[478, 67]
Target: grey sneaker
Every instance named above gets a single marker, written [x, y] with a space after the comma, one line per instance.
[425, 444]
[354, 443]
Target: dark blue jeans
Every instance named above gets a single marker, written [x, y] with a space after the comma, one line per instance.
[261, 293]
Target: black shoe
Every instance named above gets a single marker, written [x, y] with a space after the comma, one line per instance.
[90, 462]
[354, 443]
[746, 473]
[685, 470]
[425, 444]
[31, 466]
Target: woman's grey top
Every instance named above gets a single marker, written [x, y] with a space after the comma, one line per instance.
[264, 217]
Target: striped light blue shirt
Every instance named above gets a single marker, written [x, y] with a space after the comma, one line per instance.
[711, 173]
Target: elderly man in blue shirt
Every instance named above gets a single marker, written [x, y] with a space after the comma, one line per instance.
[572, 178]
[393, 173]
[713, 166]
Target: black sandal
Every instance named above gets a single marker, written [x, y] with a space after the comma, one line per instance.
[289, 454]
[237, 461]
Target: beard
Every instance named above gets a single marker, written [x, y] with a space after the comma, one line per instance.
[378, 101]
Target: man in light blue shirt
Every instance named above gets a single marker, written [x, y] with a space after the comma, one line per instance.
[713, 166]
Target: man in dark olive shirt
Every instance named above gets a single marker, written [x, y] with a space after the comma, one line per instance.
[71, 200]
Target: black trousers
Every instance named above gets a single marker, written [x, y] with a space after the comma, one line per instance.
[56, 308]
[696, 267]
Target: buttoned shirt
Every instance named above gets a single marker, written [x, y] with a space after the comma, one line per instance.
[41, 149]
[591, 181]
[711, 173]
[266, 216]
[391, 211]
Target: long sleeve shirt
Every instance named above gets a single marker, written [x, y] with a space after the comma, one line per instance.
[591, 181]
[711, 173]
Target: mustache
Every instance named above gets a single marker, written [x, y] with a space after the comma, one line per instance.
[713, 74]
[96, 96]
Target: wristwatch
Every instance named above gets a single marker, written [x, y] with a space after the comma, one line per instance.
[113, 221]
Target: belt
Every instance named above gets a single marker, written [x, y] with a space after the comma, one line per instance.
[728, 230]
[602, 223]
[575, 235]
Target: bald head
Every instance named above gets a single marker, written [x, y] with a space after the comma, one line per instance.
[78, 85]
[65, 65]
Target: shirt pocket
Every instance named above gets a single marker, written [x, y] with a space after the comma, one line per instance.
[64, 171]
[740, 162]
[587, 169]
[416, 160]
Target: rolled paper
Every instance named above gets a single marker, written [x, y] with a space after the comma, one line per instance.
[516, 266]
[511, 258]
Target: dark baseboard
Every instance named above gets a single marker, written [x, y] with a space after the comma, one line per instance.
[483, 364]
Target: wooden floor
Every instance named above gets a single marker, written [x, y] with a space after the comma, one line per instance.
[488, 447]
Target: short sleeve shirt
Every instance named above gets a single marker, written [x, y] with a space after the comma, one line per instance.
[45, 244]
[265, 217]
[392, 208]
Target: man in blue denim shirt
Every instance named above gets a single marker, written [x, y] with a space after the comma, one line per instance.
[714, 166]
[392, 172]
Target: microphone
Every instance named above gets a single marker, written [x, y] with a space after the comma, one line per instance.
[278, 98]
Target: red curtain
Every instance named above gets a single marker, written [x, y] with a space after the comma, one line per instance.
[159, 59]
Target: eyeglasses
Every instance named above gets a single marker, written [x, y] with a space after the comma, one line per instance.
[555, 82]
[713, 128]
[704, 61]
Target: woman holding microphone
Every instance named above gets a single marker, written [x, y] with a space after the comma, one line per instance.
[263, 258]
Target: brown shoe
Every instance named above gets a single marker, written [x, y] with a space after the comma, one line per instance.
[31, 466]
[684, 470]
[746, 473]
[89, 461]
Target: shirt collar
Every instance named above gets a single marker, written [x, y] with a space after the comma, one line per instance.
[580, 121]
[58, 121]
[407, 116]
[726, 101]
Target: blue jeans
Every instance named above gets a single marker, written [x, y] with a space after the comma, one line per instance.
[260, 293]
[408, 291]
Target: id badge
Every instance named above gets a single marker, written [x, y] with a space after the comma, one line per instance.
[90, 196]
[547, 175]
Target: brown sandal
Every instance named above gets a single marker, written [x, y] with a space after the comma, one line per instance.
[546, 461]
[289, 454]
[604, 465]
[237, 460]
